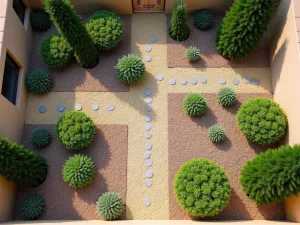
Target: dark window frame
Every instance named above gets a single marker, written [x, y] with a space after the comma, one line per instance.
[20, 9]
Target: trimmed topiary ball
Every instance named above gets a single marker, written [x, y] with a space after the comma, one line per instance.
[79, 171]
[262, 120]
[203, 20]
[216, 133]
[40, 21]
[33, 207]
[273, 175]
[110, 206]
[192, 54]
[75, 130]
[101, 14]
[39, 82]
[195, 105]
[41, 138]
[202, 188]
[130, 69]
[55, 51]
[226, 96]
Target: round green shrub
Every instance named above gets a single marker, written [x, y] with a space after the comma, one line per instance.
[262, 120]
[195, 105]
[202, 188]
[79, 171]
[39, 81]
[102, 14]
[33, 207]
[226, 96]
[110, 206]
[41, 138]
[75, 130]
[40, 21]
[216, 133]
[192, 54]
[130, 69]
[203, 20]
[273, 175]
[55, 51]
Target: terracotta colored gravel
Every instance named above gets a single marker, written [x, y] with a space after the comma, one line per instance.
[109, 153]
[75, 78]
[210, 58]
[188, 140]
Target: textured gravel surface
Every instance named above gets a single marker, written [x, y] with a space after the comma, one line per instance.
[109, 153]
[210, 58]
[188, 139]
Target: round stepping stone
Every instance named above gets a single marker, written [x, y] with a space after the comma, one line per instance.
[148, 182]
[160, 77]
[42, 109]
[78, 107]
[147, 201]
[148, 100]
[148, 146]
[148, 48]
[110, 107]
[147, 154]
[183, 81]
[148, 58]
[149, 174]
[60, 108]
[236, 81]
[172, 81]
[255, 81]
[203, 80]
[153, 39]
[148, 126]
[148, 118]
[148, 92]
[148, 108]
[193, 81]
[247, 80]
[95, 107]
[148, 162]
[148, 135]
[222, 80]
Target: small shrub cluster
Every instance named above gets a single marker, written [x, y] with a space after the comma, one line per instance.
[41, 137]
[192, 54]
[273, 175]
[110, 206]
[40, 21]
[226, 96]
[195, 105]
[216, 133]
[262, 120]
[202, 188]
[104, 14]
[39, 82]
[203, 20]
[33, 207]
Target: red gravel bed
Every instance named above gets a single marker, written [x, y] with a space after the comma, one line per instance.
[188, 140]
[210, 58]
[109, 153]
[75, 78]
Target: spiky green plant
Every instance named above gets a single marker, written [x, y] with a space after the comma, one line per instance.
[102, 14]
[33, 207]
[226, 96]
[192, 54]
[216, 133]
[39, 81]
[40, 21]
[203, 20]
[273, 175]
[179, 29]
[194, 104]
[110, 206]
[41, 137]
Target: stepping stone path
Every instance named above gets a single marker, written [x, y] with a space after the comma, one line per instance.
[147, 201]
[60, 108]
[222, 80]
[110, 107]
[153, 39]
[255, 81]
[42, 109]
[148, 162]
[148, 118]
[247, 80]
[203, 80]
[148, 58]
[148, 108]
[148, 146]
[78, 107]
[149, 174]
[172, 81]
[148, 100]
[183, 81]
[148, 135]
[148, 48]
[148, 182]
[148, 92]
[236, 81]
[160, 77]
[95, 107]
[193, 81]
[147, 154]
[147, 126]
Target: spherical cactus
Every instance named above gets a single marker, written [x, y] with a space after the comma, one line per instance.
[110, 206]
[33, 207]
[203, 20]
[39, 81]
[216, 133]
[195, 105]
[40, 21]
[79, 171]
[130, 69]
[192, 54]
[41, 138]
[226, 96]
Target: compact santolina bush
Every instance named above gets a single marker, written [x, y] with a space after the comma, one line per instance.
[33, 207]
[79, 171]
[226, 96]
[75, 130]
[192, 54]
[130, 69]
[40, 21]
[195, 104]
[110, 206]
[21, 166]
[203, 20]
[39, 82]
[273, 175]
[202, 188]
[262, 120]
[216, 133]
[41, 137]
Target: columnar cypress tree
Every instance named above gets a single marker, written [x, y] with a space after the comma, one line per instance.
[70, 26]
[179, 30]
[243, 27]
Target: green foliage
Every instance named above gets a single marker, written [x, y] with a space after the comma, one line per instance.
[192, 54]
[195, 105]
[110, 206]
[75, 130]
[203, 20]
[102, 14]
[130, 69]
[21, 166]
[40, 21]
[202, 188]
[216, 133]
[41, 137]
[69, 24]
[273, 175]
[55, 51]
[243, 27]
[39, 81]
[33, 207]
[262, 120]
[179, 29]
[79, 171]
[226, 96]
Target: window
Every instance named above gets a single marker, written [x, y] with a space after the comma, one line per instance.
[19, 8]
[10, 80]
